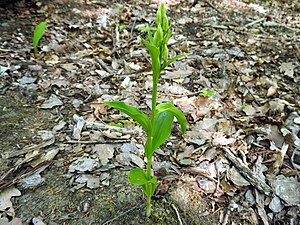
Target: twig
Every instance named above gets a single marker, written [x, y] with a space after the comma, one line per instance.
[177, 213]
[27, 149]
[103, 65]
[215, 8]
[199, 171]
[183, 95]
[254, 22]
[22, 174]
[122, 214]
[225, 220]
[131, 31]
[101, 126]
[274, 24]
[116, 41]
[253, 179]
[97, 142]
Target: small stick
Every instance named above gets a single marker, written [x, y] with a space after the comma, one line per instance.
[184, 95]
[248, 174]
[122, 214]
[97, 142]
[131, 31]
[254, 22]
[200, 172]
[177, 213]
[103, 65]
[215, 8]
[225, 221]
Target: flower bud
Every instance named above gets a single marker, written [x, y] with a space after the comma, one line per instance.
[165, 23]
[165, 52]
[158, 17]
[163, 10]
[158, 36]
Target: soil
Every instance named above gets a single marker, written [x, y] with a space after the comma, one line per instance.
[19, 122]
[53, 200]
[21, 118]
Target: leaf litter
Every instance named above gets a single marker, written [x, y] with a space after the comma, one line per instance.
[239, 161]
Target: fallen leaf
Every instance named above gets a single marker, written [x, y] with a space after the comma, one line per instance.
[104, 152]
[220, 139]
[271, 91]
[288, 69]
[237, 178]
[249, 110]
[5, 196]
[68, 66]
[51, 102]
[126, 159]
[84, 164]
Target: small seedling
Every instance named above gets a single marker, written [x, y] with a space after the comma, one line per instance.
[206, 93]
[37, 35]
[122, 26]
[158, 126]
[244, 105]
[115, 124]
[121, 123]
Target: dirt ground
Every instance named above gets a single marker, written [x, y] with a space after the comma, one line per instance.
[67, 68]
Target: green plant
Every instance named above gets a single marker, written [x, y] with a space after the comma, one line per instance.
[158, 126]
[206, 93]
[121, 123]
[37, 35]
[122, 26]
[244, 105]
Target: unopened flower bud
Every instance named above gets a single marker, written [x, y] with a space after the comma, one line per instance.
[158, 36]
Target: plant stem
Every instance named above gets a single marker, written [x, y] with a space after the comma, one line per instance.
[35, 52]
[149, 187]
[149, 159]
[148, 205]
[154, 96]
[149, 168]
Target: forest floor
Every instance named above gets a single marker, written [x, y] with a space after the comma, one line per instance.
[65, 156]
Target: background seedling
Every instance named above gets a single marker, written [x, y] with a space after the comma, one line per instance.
[37, 35]
[158, 126]
[207, 93]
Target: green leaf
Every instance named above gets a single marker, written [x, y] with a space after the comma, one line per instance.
[173, 60]
[149, 192]
[154, 53]
[153, 185]
[176, 112]
[167, 36]
[133, 112]
[162, 129]
[137, 176]
[145, 27]
[38, 33]
[148, 148]
[150, 37]
[207, 93]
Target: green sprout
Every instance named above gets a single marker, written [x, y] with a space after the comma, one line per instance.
[145, 28]
[119, 7]
[115, 124]
[244, 105]
[122, 26]
[121, 123]
[37, 35]
[206, 93]
[158, 126]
